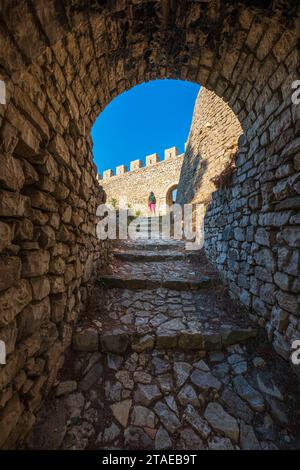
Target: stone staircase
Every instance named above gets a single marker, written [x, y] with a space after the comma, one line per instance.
[164, 359]
[165, 282]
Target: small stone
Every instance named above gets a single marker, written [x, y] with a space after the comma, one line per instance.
[127, 319]
[205, 381]
[75, 403]
[145, 343]
[266, 385]
[202, 366]
[115, 342]
[114, 361]
[258, 362]
[248, 393]
[236, 406]
[197, 422]
[162, 440]
[111, 433]
[221, 370]
[86, 340]
[190, 440]
[158, 320]
[220, 443]
[235, 359]
[93, 359]
[248, 440]
[239, 368]
[160, 366]
[188, 395]
[132, 362]
[221, 421]
[125, 377]
[146, 394]
[136, 438]
[113, 392]
[191, 340]
[165, 382]
[167, 417]
[121, 411]
[170, 400]
[216, 357]
[64, 388]
[143, 417]
[181, 371]
[142, 377]
[91, 377]
[175, 325]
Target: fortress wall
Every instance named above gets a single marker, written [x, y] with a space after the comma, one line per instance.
[134, 186]
[212, 140]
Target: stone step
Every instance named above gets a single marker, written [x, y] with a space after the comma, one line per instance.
[159, 245]
[122, 282]
[154, 255]
[120, 341]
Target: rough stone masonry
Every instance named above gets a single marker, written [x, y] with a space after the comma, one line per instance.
[131, 189]
[62, 63]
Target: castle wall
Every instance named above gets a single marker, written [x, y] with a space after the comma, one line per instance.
[131, 189]
[213, 139]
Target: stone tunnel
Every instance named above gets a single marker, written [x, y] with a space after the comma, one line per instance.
[62, 63]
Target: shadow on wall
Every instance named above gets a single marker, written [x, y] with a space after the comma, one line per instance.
[211, 147]
[197, 167]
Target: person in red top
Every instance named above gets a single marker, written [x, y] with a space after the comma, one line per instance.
[152, 203]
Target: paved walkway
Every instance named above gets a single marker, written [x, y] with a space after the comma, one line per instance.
[165, 359]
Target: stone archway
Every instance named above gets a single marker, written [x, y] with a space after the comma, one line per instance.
[170, 194]
[62, 63]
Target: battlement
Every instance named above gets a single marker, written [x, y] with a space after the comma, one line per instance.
[153, 159]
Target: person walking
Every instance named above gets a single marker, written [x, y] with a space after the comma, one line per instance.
[152, 203]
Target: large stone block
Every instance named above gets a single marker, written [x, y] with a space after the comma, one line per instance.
[32, 318]
[11, 175]
[10, 271]
[13, 300]
[35, 263]
[13, 204]
[60, 150]
[40, 287]
[86, 340]
[6, 235]
[9, 418]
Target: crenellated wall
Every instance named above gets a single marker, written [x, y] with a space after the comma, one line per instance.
[132, 188]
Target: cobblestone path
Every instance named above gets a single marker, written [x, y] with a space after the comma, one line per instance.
[164, 359]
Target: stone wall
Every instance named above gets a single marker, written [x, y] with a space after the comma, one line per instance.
[212, 141]
[62, 62]
[132, 188]
[49, 193]
[252, 226]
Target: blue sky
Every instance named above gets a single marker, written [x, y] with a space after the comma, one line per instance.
[144, 120]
